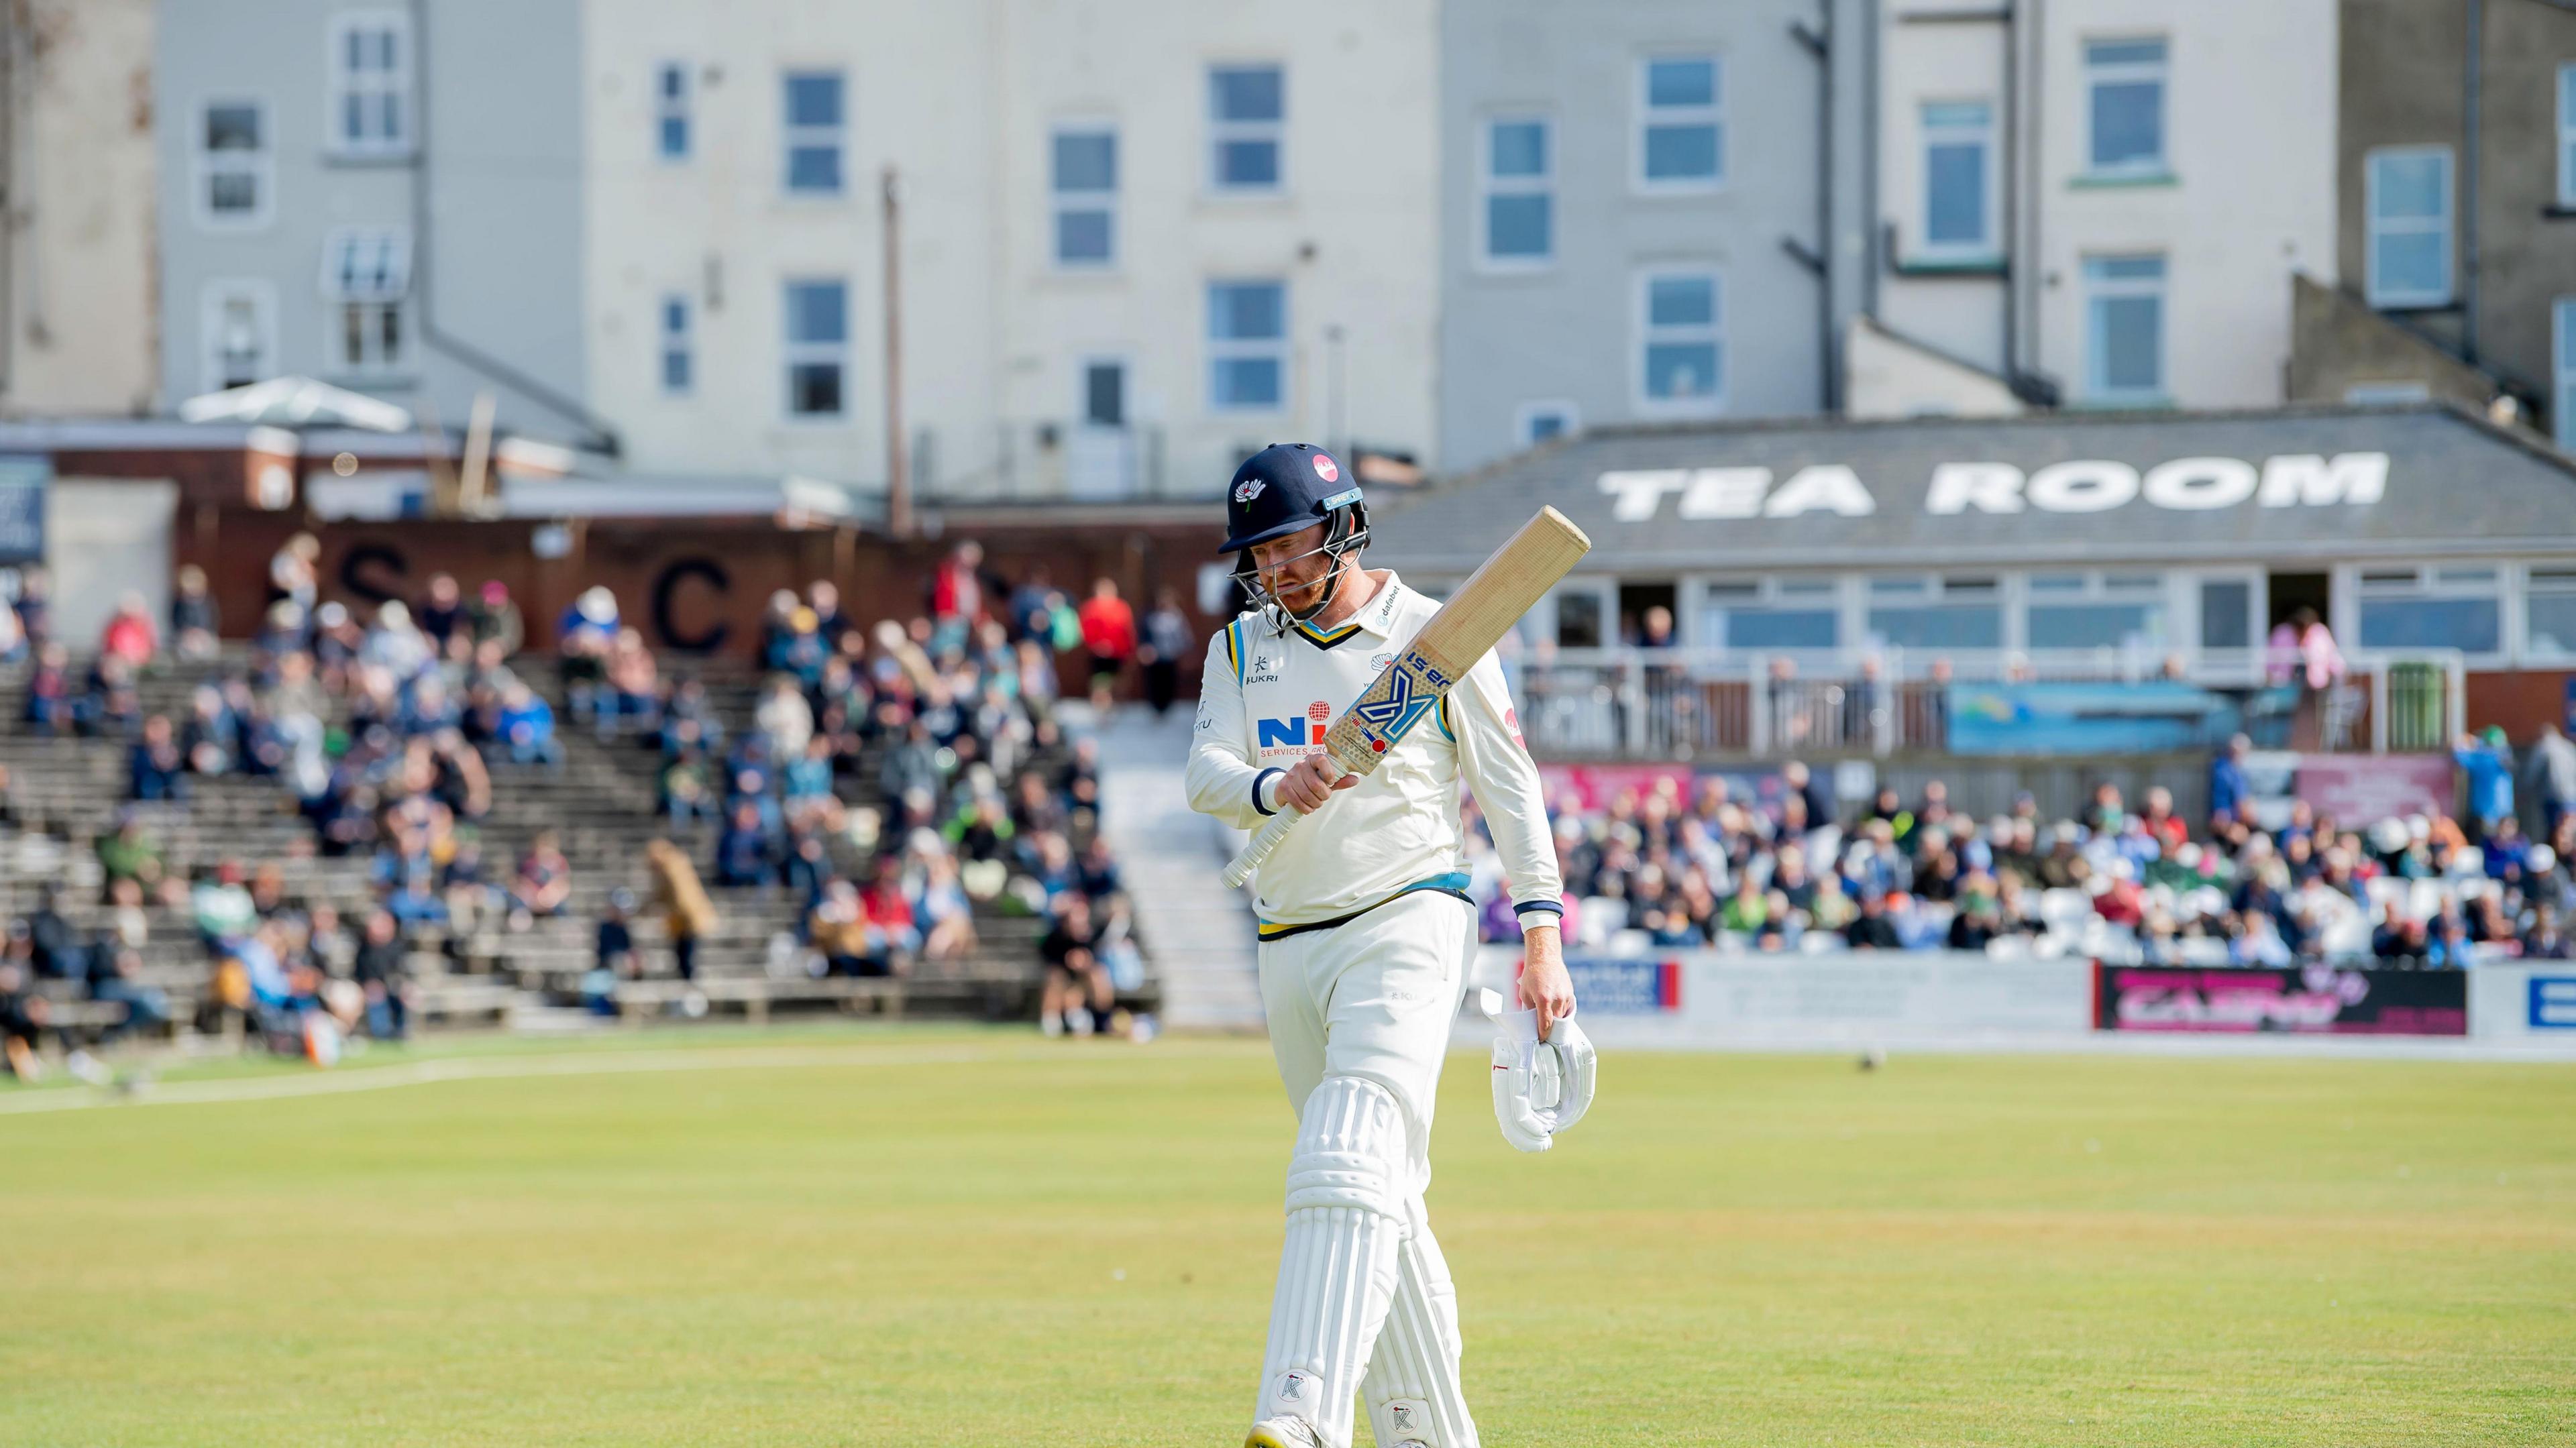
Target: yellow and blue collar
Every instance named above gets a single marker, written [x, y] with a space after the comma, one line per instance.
[1377, 618]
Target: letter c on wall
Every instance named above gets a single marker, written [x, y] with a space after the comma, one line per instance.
[390, 558]
[667, 586]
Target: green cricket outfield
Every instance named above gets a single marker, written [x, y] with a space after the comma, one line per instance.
[949, 1236]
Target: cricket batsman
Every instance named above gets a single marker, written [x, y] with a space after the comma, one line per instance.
[1365, 933]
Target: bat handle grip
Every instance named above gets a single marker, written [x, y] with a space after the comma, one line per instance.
[1258, 848]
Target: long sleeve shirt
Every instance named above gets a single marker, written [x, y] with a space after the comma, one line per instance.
[1266, 699]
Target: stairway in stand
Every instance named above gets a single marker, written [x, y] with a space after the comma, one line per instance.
[1171, 855]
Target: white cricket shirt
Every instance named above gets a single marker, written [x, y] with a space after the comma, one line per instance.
[1265, 700]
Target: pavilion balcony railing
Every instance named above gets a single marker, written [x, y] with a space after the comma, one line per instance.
[1682, 703]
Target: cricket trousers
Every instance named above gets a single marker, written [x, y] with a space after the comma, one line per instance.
[1360, 1016]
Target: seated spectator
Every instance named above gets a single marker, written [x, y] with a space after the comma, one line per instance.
[778, 630]
[54, 946]
[1096, 874]
[808, 778]
[118, 981]
[889, 909]
[849, 942]
[614, 939]
[383, 970]
[528, 727]
[582, 642]
[1745, 911]
[416, 902]
[1077, 990]
[110, 707]
[689, 720]
[941, 910]
[130, 853]
[441, 616]
[395, 644]
[51, 698]
[785, 718]
[221, 906]
[823, 599]
[193, 617]
[2544, 940]
[685, 794]
[1978, 923]
[2506, 850]
[212, 739]
[494, 620]
[634, 685]
[807, 871]
[2399, 938]
[129, 636]
[24, 1018]
[544, 881]
[743, 851]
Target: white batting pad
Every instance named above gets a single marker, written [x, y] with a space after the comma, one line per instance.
[1414, 1392]
[1337, 1267]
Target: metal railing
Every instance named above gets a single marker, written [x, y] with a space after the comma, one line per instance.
[1060, 462]
[1678, 703]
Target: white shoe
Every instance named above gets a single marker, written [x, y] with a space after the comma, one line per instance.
[1051, 1024]
[1079, 1020]
[1282, 1433]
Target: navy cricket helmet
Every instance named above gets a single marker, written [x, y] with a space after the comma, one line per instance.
[1287, 486]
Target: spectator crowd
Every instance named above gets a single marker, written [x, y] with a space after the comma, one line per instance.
[389, 730]
[1789, 868]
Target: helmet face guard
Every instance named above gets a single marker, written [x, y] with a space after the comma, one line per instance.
[1346, 533]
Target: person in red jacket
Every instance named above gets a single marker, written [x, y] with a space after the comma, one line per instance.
[889, 909]
[1109, 632]
[957, 596]
[130, 635]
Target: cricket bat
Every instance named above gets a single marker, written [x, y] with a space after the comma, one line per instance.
[1464, 630]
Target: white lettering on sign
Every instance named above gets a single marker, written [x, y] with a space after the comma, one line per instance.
[1725, 493]
[2082, 485]
[2195, 483]
[1636, 495]
[1993, 487]
[2309, 479]
[1827, 485]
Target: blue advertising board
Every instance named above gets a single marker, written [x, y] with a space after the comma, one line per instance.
[2553, 1003]
[22, 509]
[1625, 987]
[2149, 717]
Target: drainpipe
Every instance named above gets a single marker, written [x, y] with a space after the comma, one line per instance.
[1818, 41]
[2009, 173]
[2471, 83]
[9, 18]
[599, 435]
[2031, 264]
[1870, 42]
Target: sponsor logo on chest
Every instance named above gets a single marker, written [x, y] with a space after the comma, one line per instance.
[1293, 738]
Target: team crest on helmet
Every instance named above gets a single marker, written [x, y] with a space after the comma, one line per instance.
[1324, 469]
[1250, 489]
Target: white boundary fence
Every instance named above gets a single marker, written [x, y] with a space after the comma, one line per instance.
[1959, 1001]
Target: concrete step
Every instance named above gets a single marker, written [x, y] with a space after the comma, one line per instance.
[1202, 935]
